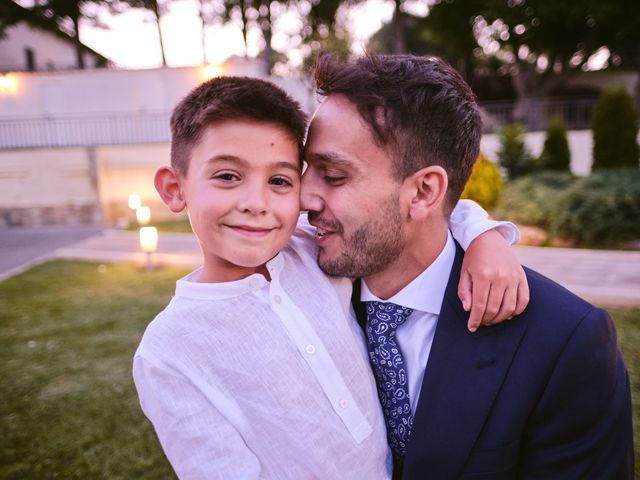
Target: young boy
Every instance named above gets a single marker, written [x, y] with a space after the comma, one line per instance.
[257, 368]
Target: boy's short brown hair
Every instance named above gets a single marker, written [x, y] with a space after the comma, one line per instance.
[231, 98]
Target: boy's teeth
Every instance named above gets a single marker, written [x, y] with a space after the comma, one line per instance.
[321, 232]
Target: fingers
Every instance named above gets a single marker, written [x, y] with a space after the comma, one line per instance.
[464, 290]
[513, 298]
[523, 296]
[507, 308]
[478, 304]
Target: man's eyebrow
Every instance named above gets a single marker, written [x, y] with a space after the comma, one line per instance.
[330, 157]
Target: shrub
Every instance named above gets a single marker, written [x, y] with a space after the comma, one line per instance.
[514, 156]
[615, 131]
[485, 184]
[602, 209]
[555, 154]
[532, 200]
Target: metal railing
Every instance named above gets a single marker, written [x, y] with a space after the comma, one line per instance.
[535, 113]
[153, 127]
[85, 130]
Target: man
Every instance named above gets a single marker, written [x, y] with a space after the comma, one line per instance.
[545, 395]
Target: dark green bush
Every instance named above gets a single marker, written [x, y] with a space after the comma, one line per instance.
[603, 209]
[615, 131]
[532, 199]
[600, 210]
[556, 154]
[513, 155]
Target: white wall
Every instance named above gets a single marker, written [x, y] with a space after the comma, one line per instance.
[49, 50]
[108, 92]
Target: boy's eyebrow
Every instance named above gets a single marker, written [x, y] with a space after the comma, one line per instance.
[234, 159]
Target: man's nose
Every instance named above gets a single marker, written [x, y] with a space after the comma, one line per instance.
[310, 198]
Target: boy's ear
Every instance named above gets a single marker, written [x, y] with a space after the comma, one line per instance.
[167, 182]
[427, 191]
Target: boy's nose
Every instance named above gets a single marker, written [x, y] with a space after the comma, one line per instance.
[256, 201]
[310, 199]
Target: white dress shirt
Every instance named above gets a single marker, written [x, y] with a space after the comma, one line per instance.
[424, 295]
[256, 379]
[415, 336]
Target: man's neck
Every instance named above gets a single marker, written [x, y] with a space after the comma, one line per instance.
[419, 253]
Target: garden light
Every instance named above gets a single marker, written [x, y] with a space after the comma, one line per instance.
[143, 215]
[149, 243]
[134, 201]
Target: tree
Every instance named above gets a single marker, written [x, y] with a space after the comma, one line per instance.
[539, 44]
[67, 11]
[156, 7]
[556, 154]
[257, 13]
[10, 13]
[615, 131]
[513, 155]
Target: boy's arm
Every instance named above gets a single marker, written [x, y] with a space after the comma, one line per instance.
[492, 281]
[198, 440]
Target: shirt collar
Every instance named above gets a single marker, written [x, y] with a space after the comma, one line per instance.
[189, 287]
[424, 293]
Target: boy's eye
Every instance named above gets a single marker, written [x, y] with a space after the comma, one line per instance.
[281, 182]
[226, 176]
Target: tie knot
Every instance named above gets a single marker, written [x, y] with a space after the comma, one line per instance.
[388, 313]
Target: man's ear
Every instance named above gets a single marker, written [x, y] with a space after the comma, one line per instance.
[167, 182]
[428, 190]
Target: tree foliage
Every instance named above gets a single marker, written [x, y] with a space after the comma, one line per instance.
[514, 155]
[485, 184]
[67, 13]
[538, 44]
[555, 154]
[615, 131]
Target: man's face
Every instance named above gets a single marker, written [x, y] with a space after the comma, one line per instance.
[350, 193]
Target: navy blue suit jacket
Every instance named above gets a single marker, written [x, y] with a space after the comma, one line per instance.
[543, 396]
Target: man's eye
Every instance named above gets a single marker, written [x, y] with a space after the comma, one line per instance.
[331, 180]
[280, 182]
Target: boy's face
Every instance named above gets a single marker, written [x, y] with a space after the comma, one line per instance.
[242, 193]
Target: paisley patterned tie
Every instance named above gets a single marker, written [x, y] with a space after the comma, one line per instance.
[388, 365]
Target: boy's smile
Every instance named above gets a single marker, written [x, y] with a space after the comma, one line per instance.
[242, 195]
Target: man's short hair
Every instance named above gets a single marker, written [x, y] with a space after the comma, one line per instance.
[231, 98]
[418, 107]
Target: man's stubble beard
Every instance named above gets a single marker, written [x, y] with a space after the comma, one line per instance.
[371, 247]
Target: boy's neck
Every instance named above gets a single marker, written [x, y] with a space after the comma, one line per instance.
[211, 274]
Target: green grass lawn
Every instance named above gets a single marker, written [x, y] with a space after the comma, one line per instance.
[178, 225]
[69, 409]
[68, 406]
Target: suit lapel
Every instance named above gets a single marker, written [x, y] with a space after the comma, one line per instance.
[358, 307]
[462, 378]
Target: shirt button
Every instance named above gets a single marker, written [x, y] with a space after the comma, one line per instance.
[277, 299]
[343, 403]
[311, 349]
[253, 282]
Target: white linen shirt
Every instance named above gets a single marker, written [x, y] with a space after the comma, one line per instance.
[256, 379]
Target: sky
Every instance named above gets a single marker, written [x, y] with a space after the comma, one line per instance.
[131, 40]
